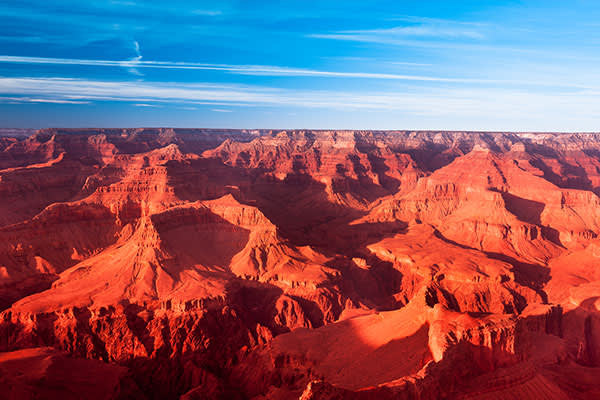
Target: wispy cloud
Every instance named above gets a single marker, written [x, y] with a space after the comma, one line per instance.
[480, 102]
[221, 110]
[261, 70]
[146, 105]
[411, 33]
[412, 64]
[379, 61]
[439, 21]
[429, 30]
[20, 100]
[500, 108]
[473, 47]
[123, 3]
[136, 60]
[390, 38]
[78, 90]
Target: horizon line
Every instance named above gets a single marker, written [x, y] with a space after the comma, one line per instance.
[90, 128]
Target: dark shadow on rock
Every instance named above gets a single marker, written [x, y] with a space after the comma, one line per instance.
[14, 291]
[380, 168]
[530, 211]
[197, 236]
[526, 210]
[570, 177]
[533, 276]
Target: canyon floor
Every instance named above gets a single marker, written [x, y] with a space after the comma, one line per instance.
[257, 264]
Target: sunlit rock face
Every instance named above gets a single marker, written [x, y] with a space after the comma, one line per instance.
[194, 264]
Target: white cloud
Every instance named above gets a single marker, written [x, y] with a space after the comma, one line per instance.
[428, 30]
[21, 100]
[578, 82]
[436, 108]
[411, 33]
[146, 105]
[439, 21]
[260, 70]
[135, 60]
[409, 63]
[476, 101]
[136, 46]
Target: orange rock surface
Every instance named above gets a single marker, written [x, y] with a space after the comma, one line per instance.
[194, 264]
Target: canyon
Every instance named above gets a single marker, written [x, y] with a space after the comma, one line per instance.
[159, 263]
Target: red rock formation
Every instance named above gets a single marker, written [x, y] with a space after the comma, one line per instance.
[311, 264]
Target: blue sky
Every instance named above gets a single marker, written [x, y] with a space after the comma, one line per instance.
[454, 65]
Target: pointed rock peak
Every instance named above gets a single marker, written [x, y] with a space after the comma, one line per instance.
[172, 148]
[225, 146]
[43, 136]
[169, 152]
[227, 199]
[146, 233]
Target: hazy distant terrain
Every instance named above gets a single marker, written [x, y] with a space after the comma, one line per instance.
[17, 133]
